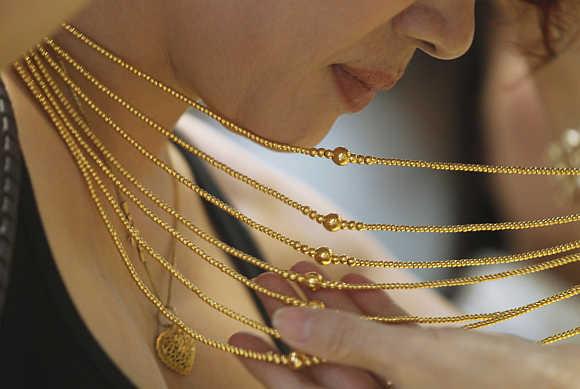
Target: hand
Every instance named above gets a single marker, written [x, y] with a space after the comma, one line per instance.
[327, 375]
[407, 356]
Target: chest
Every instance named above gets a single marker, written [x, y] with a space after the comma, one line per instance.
[120, 318]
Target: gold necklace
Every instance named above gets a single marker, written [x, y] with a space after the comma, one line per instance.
[557, 297]
[45, 98]
[446, 283]
[565, 294]
[340, 155]
[48, 102]
[174, 348]
[321, 254]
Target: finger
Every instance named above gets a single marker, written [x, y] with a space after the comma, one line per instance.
[371, 302]
[270, 375]
[329, 375]
[411, 356]
[331, 298]
[274, 283]
[345, 338]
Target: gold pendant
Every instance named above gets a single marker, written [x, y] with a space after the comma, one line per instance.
[176, 350]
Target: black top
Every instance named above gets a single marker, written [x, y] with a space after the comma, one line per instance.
[43, 340]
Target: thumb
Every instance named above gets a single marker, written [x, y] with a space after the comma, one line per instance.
[337, 337]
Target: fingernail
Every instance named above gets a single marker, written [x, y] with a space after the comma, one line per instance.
[293, 323]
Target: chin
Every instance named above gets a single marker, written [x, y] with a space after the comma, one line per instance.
[308, 135]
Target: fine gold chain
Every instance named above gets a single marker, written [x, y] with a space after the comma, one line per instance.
[497, 314]
[483, 317]
[289, 358]
[561, 336]
[314, 281]
[341, 156]
[294, 359]
[125, 206]
[131, 229]
[407, 319]
[324, 255]
[333, 222]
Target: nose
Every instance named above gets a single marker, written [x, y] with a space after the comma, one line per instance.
[442, 28]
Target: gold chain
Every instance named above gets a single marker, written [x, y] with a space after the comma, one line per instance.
[333, 222]
[293, 359]
[134, 232]
[561, 336]
[82, 117]
[485, 318]
[340, 155]
[114, 162]
[510, 314]
[312, 280]
[321, 254]
[537, 305]
[494, 316]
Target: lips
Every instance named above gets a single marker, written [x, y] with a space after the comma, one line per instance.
[359, 86]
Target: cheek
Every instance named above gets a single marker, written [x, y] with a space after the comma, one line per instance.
[274, 89]
[297, 111]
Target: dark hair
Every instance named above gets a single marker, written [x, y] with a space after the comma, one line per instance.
[558, 22]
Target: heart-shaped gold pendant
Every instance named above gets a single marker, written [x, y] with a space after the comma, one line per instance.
[176, 350]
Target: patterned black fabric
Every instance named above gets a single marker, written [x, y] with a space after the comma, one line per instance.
[43, 340]
[10, 166]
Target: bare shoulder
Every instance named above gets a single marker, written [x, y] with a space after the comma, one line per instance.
[289, 221]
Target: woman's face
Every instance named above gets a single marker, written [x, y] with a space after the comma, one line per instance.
[287, 69]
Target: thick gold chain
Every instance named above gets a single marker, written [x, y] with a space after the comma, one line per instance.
[485, 319]
[492, 318]
[80, 116]
[123, 189]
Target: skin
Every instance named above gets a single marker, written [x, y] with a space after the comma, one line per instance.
[516, 100]
[266, 68]
[524, 101]
[402, 355]
[36, 25]
[283, 91]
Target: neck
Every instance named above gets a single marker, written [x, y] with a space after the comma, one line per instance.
[140, 45]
